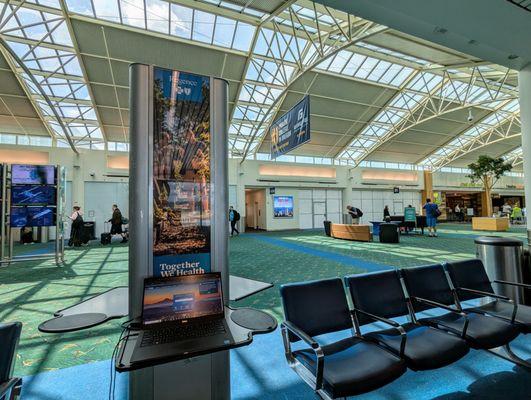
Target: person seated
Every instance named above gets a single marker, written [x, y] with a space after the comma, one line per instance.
[26, 235]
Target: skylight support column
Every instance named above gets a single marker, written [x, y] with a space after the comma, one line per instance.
[524, 85]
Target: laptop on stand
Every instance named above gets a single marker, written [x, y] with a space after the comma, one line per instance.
[180, 315]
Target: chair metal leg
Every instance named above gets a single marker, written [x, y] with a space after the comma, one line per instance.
[507, 353]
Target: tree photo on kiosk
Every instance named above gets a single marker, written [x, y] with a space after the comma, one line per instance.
[487, 170]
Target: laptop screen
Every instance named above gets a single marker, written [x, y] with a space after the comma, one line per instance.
[181, 298]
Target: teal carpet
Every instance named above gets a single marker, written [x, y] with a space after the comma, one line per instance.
[31, 292]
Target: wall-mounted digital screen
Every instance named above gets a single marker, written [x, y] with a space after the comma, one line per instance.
[32, 216]
[283, 206]
[26, 194]
[32, 174]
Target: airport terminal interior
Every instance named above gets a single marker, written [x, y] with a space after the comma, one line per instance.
[265, 199]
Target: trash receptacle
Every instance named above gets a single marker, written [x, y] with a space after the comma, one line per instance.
[502, 258]
[327, 227]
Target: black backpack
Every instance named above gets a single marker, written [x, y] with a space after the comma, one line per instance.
[236, 216]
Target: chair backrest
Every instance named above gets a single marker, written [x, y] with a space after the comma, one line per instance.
[428, 282]
[9, 337]
[316, 307]
[378, 293]
[469, 274]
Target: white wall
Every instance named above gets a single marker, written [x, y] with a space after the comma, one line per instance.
[372, 202]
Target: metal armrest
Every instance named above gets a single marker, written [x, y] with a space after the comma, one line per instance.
[496, 296]
[482, 293]
[387, 321]
[319, 365]
[301, 334]
[522, 285]
[6, 388]
[448, 308]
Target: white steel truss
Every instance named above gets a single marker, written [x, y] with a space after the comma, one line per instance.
[503, 123]
[37, 42]
[426, 95]
[279, 59]
[515, 157]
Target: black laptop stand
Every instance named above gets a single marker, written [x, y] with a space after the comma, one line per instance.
[243, 323]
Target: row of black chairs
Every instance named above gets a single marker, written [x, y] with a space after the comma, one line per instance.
[9, 338]
[364, 361]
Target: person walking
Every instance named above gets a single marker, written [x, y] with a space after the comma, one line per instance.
[76, 228]
[432, 212]
[234, 217]
[116, 223]
[458, 213]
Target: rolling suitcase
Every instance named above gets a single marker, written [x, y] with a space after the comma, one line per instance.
[105, 236]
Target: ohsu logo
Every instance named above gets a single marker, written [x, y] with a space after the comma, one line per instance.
[186, 91]
[300, 115]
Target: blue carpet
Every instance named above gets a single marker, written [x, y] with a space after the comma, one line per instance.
[259, 371]
[329, 255]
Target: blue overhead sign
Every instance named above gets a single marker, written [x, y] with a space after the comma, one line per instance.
[291, 130]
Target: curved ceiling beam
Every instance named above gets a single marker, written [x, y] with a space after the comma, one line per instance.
[318, 48]
[504, 130]
[35, 82]
[423, 97]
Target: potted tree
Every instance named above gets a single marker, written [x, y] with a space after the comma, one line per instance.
[487, 170]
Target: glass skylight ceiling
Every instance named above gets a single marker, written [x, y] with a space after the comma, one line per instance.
[41, 40]
[491, 124]
[285, 46]
[426, 95]
[169, 18]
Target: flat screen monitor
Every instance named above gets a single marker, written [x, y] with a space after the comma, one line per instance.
[31, 194]
[32, 216]
[283, 206]
[32, 174]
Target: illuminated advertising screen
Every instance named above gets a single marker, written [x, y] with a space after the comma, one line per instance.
[283, 206]
[33, 194]
[181, 173]
[32, 174]
[32, 216]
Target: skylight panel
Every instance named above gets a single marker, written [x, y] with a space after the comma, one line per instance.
[366, 68]
[80, 6]
[181, 21]
[107, 9]
[243, 36]
[224, 32]
[380, 69]
[203, 27]
[157, 12]
[354, 64]
[133, 13]
[339, 61]
[60, 35]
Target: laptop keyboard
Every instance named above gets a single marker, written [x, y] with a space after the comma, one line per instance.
[182, 332]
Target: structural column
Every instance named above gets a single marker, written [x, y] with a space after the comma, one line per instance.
[524, 86]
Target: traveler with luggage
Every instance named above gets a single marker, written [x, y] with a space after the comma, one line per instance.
[116, 224]
[76, 228]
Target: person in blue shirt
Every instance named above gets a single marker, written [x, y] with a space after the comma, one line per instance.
[431, 217]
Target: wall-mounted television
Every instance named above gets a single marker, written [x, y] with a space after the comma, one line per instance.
[32, 174]
[31, 194]
[32, 216]
[283, 206]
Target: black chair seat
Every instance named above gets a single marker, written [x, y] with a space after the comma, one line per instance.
[426, 347]
[353, 366]
[483, 332]
[505, 310]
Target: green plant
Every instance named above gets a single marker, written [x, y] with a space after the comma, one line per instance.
[487, 170]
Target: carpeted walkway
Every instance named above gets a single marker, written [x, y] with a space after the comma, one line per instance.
[31, 292]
